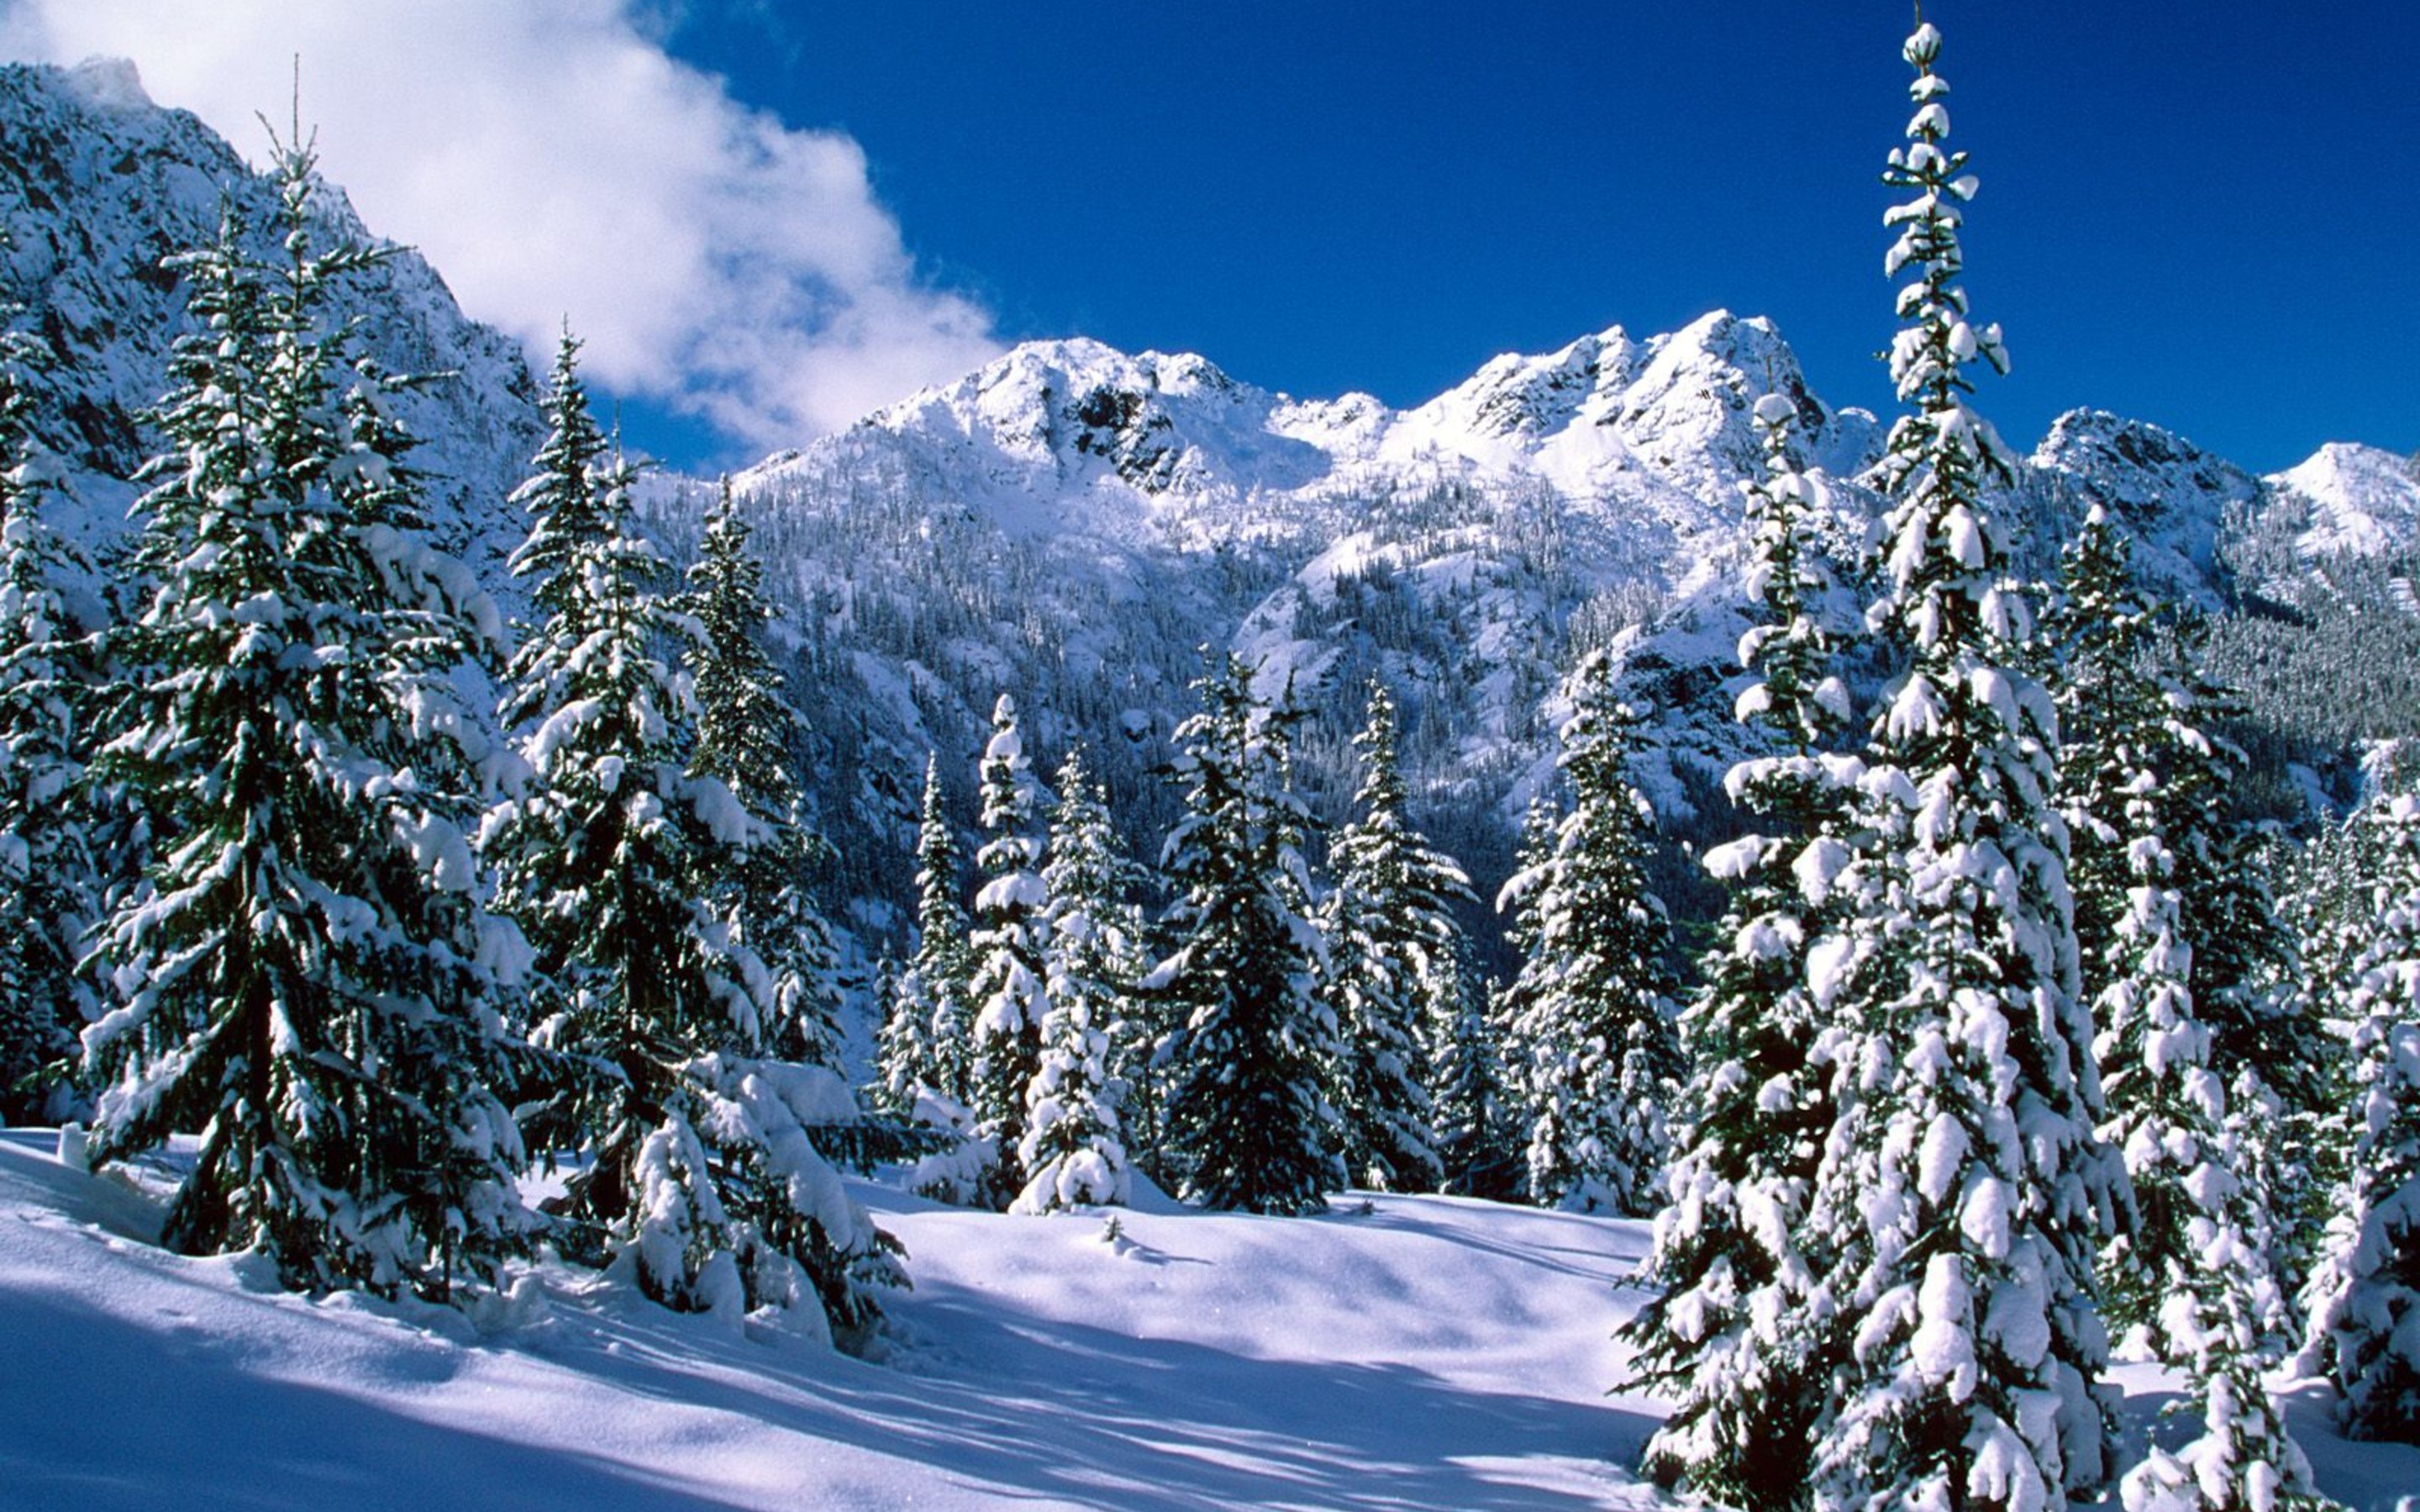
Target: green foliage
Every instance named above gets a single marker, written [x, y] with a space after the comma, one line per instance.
[1589, 1019]
[745, 736]
[1251, 1121]
[1395, 960]
[622, 858]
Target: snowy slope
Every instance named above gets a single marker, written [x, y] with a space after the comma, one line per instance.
[1429, 1353]
[2362, 501]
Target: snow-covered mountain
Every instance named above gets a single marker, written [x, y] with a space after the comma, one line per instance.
[1075, 524]
[2359, 501]
[99, 184]
[1072, 523]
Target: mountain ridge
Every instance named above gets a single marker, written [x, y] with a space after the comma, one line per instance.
[1076, 524]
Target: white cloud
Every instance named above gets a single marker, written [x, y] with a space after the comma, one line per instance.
[554, 161]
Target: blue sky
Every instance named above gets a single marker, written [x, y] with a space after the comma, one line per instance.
[2200, 214]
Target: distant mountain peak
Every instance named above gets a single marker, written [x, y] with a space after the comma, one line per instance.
[2364, 499]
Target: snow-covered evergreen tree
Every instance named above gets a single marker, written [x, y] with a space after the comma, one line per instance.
[2133, 696]
[1394, 964]
[2364, 1329]
[1472, 1114]
[703, 1183]
[927, 1036]
[2195, 1268]
[1074, 1151]
[2331, 892]
[927, 1033]
[1010, 978]
[2143, 788]
[2196, 1264]
[744, 732]
[1251, 1122]
[49, 882]
[1736, 1335]
[309, 980]
[1597, 1061]
[1964, 1193]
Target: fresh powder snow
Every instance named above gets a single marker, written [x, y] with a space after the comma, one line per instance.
[1427, 1352]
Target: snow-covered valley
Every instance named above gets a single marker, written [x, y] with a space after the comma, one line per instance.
[383, 825]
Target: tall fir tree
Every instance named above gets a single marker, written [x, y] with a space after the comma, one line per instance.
[1734, 1332]
[2364, 1328]
[745, 731]
[927, 1037]
[927, 1030]
[1964, 1193]
[1251, 1120]
[1395, 956]
[1473, 1115]
[1010, 976]
[2195, 1268]
[1074, 1151]
[50, 884]
[1508, 1000]
[703, 1183]
[2139, 782]
[2332, 889]
[305, 978]
[2143, 787]
[2198, 1256]
[1597, 1059]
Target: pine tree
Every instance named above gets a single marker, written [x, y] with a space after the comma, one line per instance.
[49, 882]
[1009, 973]
[704, 1184]
[2198, 1254]
[1074, 1150]
[1963, 1194]
[928, 1033]
[560, 494]
[304, 979]
[2142, 786]
[744, 730]
[1252, 1124]
[1394, 963]
[1734, 1334]
[2330, 898]
[2193, 1268]
[1598, 1059]
[1474, 1138]
[927, 1037]
[2365, 1329]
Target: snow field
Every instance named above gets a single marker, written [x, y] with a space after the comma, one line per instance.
[1430, 1352]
